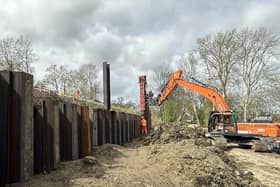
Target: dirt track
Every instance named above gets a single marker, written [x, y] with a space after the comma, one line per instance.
[264, 166]
[154, 165]
[170, 156]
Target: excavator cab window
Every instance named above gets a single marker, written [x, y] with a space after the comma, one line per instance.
[228, 119]
[215, 122]
[222, 122]
[229, 123]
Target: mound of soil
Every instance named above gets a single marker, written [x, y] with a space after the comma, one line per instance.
[187, 153]
[166, 133]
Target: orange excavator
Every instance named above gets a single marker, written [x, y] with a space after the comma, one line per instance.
[222, 122]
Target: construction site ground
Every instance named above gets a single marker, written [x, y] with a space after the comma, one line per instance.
[264, 166]
[169, 156]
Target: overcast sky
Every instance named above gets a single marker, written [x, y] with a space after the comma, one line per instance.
[134, 36]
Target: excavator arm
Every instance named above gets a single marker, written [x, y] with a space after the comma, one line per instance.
[175, 80]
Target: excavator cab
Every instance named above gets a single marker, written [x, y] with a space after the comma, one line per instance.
[223, 123]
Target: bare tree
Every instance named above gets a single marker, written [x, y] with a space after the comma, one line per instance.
[26, 54]
[256, 49]
[159, 80]
[16, 54]
[160, 77]
[188, 64]
[52, 77]
[76, 82]
[64, 77]
[219, 54]
[9, 54]
[57, 77]
[85, 80]
[89, 72]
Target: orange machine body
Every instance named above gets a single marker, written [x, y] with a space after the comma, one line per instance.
[264, 129]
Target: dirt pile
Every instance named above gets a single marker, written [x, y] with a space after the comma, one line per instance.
[166, 133]
[188, 154]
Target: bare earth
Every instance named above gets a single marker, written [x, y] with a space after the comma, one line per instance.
[169, 156]
[264, 166]
[172, 164]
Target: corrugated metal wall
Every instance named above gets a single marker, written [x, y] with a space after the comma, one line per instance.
[16, 127]
[4, 122]
[34, 139]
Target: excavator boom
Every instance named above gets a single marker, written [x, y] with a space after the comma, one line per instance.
[213, 95]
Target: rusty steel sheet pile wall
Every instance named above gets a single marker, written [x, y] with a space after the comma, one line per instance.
[46, 136]
[93, 127]
[17, 124]
[69, 131]
[38, 139]
[79, 118]
[61, 131]
[113, 127]
[121, 127]
[75, 141]
[4, 121]
[34, 138]
[85, 132]
[108, 127]
[100, 126]
[50, 108]
[22, 127]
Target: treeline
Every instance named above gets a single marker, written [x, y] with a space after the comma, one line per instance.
[17, 54]
[242, 64]
[66, 81]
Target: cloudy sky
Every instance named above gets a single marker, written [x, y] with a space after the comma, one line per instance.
[134, 36]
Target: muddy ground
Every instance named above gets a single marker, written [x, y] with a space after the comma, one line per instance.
[170, 156]
[264, 166]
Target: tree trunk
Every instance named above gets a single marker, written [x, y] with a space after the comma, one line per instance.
[245, 113]
[224, 91]
[64, 89]
[56, 87]
[246, 104]
[91, 90]
[181, 116]
[162, 113]
[195, 113]
[245, 110]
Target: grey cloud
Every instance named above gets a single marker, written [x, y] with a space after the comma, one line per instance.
[134, 36]
[263, 14]
[103, 46]
[52, 22]
[138, 16]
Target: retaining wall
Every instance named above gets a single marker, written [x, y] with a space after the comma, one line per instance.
[16, 127]
[35, 138]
